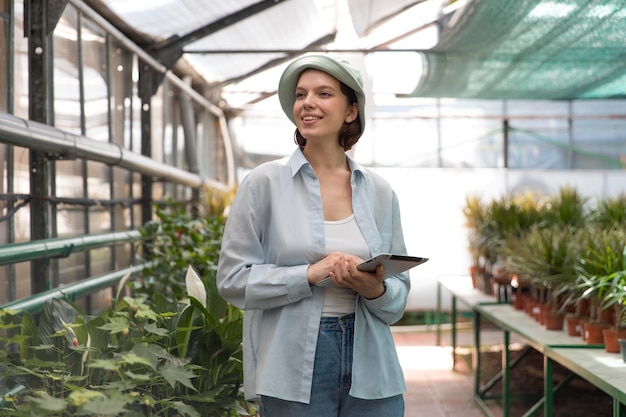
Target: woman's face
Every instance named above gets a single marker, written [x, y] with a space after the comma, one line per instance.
[321, 108]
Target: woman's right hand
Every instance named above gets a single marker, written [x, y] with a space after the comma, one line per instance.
[334, 266]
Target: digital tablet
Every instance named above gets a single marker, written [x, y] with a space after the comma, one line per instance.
[393, 264]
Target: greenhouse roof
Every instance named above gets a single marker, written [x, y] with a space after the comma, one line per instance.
[529, 49]
[491, 49]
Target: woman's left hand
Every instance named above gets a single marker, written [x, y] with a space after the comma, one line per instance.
[369, 285]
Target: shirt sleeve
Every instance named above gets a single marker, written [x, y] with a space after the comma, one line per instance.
[391, 305]
[244, 278]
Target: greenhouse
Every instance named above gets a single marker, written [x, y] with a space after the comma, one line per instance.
[148, 267]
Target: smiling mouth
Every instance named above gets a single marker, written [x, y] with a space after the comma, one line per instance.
[310, 118]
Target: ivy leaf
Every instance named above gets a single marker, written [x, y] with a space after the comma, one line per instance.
[174, 373]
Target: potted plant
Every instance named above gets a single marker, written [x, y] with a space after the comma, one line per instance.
[598, 265]
[545, 257]
[502, 219]
[614, 300]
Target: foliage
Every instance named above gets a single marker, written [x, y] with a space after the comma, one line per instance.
[567, 208]
[175, 241]
[601, 268]
[611, 212]
[557, 245]
[134, 359]
[172, 349]
[493, 224]
[546, 258]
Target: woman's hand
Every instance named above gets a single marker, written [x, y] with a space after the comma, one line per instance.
[342, 270]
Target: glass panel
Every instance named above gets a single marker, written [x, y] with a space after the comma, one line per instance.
[99, 181]
[470, 108]
[599, 143]
[5, 40]
[7, 292]
[471, 143]
[67, 93]
[72, 268]
[99, 220]
[20, 63]
[70, 220]
[95, 88]
[100, 261]
[21, 183]
[69, 179]
[539, 144]
[538, 108]
[101, 300]
[22, 284]
[120, 74]
[407, 143]
[598, 134]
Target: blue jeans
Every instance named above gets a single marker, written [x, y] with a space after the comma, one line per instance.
[332, 378]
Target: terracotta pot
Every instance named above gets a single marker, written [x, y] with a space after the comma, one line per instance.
[553, 320]
[607, 316]
[573, 325]
[622, 346]
[536, 310]
[593, 333]
[473, 272]
[527, 303]
[611, 335]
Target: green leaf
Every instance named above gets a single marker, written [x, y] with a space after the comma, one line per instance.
[104, 407]
[138, 377]
[115, 325]
[81, 396]
[185, 410]
[46, 404]
[154, 329]
[107, 364]
[174, 373]
[131, 358]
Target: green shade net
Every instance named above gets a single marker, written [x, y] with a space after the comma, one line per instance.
[529, 49]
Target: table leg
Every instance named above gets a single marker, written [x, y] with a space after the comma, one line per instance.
[548, 386]
[438, 318]
[453, 330]
[619, 409]
[506, 376]
[476, 354]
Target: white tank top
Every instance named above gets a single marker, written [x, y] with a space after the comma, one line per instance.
[343, 236]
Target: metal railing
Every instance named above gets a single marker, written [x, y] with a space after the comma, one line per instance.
[72, 291]
[62, 247]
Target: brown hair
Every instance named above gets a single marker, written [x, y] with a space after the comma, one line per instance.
[349, 134]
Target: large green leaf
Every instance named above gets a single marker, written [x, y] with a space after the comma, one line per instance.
[174, 373]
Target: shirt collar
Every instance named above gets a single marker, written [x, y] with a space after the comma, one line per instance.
[298, 160]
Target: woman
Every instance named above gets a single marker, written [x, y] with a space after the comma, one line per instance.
[312, 350]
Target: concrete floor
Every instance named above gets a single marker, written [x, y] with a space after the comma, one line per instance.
[433, 388]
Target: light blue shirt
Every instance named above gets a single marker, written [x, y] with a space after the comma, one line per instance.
[275, 230]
